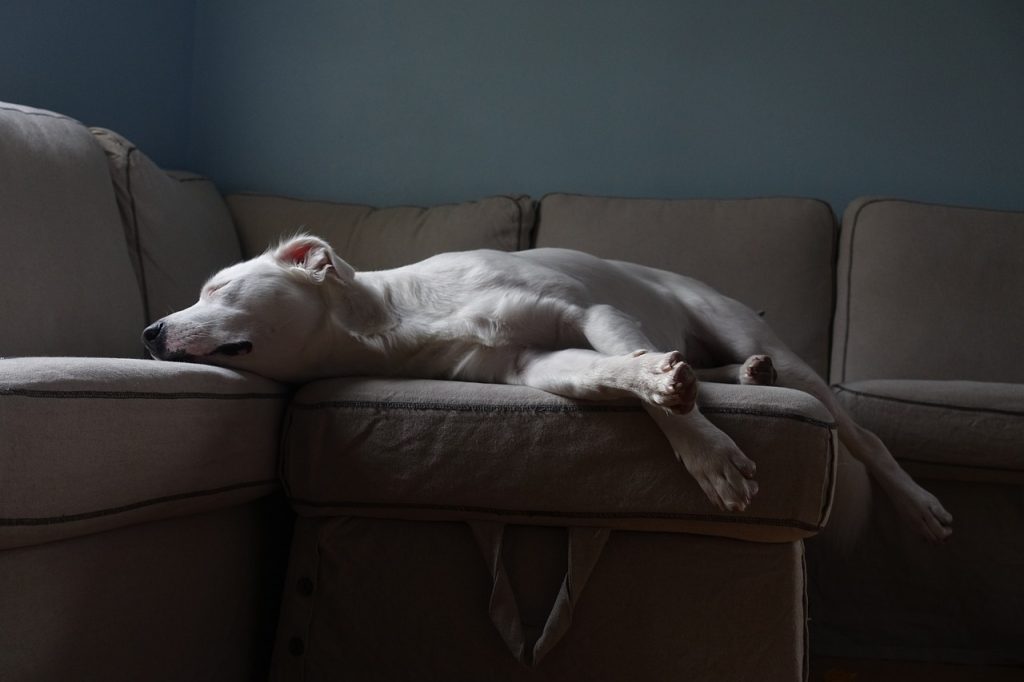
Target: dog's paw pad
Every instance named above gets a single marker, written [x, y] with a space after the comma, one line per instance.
[758, 370]
[667, 381]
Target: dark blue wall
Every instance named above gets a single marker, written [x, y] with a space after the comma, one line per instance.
[419, 102]
[408, 101]
[121, 64]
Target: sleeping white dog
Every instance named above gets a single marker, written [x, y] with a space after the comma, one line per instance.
[557, 320]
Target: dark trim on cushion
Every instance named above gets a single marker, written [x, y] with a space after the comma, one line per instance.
[134, 228]
[137, 395]
[518, 408]
[69, 518]
[849, 285]
[518, 513]
[922, 403]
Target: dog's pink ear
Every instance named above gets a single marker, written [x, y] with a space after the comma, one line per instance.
[316, 256]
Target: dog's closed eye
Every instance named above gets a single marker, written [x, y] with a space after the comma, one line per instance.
[236, 348]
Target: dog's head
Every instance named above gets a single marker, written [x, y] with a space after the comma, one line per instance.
[261, 315]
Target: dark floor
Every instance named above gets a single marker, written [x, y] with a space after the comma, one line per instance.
[854, 670]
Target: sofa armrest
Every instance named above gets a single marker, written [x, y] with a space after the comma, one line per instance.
[91, 444]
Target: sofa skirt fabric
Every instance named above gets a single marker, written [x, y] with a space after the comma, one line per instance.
[188, 598]
[442, 450]
[92, 444]
[377, 599]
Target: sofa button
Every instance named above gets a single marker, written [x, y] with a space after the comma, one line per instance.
[296, 646]
[305, 587]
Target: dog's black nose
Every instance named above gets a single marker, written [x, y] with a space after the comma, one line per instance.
[152, 332]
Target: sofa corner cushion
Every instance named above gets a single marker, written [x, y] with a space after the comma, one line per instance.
[773, 254]
[420, 449]
[927, 291]
[177, 227]
[957, 430]
[373, 238]
[91, 444]
[66, 267]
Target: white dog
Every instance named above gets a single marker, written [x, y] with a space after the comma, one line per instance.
[557, 320]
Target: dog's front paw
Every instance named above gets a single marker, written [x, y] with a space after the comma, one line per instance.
[667, 381]
[725, 475]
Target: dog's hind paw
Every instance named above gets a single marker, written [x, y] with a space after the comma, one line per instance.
[758, 370]
[667, 381]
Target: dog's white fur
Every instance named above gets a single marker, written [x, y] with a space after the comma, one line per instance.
[557, 320]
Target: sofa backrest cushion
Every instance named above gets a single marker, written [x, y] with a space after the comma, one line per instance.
[376, 238]
[775, 254]
[177, 227]
[67, 282]
[929, 292]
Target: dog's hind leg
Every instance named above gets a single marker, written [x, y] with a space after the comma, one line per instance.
[661, 379]
[915, 503]
[623, 354]
[665, 385]
[758, 370]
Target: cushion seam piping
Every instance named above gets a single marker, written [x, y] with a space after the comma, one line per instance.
[682, 516]
[136, 395]
[944, 406]
[533, 409]
[111, 511]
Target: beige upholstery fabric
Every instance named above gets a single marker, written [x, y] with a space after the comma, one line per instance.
[774, 255]
[370, 599]
[927, 330]
[929, 292]
[67, 282]
[377, 238]
[949, 429]
[91, 444]
[177, 227]
[454, 450]
[172, 600]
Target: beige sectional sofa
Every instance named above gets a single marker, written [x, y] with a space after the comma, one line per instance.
[929, 323]
[447, 530]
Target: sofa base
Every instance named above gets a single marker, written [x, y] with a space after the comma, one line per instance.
[188, 598]
[369, 599]
[895, 596]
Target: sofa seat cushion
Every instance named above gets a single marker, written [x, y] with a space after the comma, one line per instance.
[372, 238]
[959, 430]
[92, 444]
[438, 450]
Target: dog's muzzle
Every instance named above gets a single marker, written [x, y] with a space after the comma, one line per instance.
[154, 338]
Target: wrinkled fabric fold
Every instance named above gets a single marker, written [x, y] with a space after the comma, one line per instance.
[584, 547]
